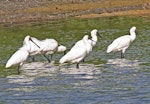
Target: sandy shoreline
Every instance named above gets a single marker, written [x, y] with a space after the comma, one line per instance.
[144, 13]
[20, 11]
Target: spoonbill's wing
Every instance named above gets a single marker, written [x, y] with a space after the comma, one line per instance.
[119, 43]
[17, 58]
[74, 54]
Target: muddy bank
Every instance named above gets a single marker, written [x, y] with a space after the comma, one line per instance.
[19, 11]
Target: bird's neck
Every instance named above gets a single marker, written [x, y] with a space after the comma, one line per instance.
[133, 35]
[94, 38]
[25, 47]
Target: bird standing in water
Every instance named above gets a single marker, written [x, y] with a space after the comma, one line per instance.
[21, 54]
[78, 52]
[122, 43]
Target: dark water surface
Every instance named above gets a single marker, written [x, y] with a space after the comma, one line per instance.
[102, 79]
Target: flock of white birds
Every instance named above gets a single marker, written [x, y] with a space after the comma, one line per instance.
[32, 46]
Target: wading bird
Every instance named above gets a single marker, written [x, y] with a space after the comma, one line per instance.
[21, 55]
[78, 52]
[122, 43]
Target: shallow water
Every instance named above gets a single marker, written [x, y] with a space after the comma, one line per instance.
[103, 78]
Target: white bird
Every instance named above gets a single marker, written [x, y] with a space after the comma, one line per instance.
[20, 55]
[77, 52]
[122, 43]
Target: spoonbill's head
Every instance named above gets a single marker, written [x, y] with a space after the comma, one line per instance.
[95, 32]
[62, 48]
[133, 29]
[27, 39]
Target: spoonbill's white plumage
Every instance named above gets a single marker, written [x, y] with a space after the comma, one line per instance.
[20, 55]
[94, 38]
[59, 49]
[47, 47]
[122, 43]
[92, 41]
[77, 52]
[34, 49]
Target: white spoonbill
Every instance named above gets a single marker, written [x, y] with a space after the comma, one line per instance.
[20, 55]
[77, 52]
[122, 43]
